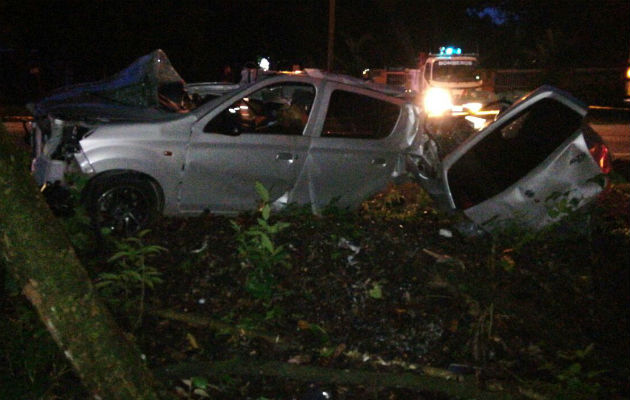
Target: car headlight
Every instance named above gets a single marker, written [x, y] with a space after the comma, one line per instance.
[437, 101]
[82, 163]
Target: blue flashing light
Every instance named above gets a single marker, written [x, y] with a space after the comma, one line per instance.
[450, 50]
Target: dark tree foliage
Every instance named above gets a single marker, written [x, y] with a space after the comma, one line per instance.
[82, 41]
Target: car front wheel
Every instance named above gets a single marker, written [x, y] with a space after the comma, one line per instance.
[124, 204]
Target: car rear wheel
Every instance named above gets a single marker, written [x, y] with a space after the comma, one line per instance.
[124, 204]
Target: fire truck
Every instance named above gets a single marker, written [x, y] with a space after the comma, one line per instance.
[447, 83]
[450, 82]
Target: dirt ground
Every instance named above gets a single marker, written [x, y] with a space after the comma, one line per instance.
[354, 304]
[391, 289]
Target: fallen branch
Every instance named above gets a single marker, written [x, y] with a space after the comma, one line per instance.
[464, 387]
[220, 326]
[286, 344]
[424, 378]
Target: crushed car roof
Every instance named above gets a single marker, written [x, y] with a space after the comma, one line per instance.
[135, 86]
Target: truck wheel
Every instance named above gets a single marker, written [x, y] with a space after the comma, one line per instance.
[125, 204]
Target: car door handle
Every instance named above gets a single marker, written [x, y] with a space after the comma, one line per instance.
[282, 156]
[381, 162]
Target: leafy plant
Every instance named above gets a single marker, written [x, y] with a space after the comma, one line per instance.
[132, 277]
[196, 388]
[561, 204]
[575, 379]
[76, 221]
[404, 201]
[257, 249]
[376, 292]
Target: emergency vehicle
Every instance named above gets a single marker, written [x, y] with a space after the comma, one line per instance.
[450, 82]
[447, 83]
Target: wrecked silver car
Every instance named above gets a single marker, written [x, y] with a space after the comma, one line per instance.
[312, 138]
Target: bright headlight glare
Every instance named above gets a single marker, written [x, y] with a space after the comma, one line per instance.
[477, 123]
[473, 107]
[437, 101]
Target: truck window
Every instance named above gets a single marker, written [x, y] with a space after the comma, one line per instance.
[455, 71]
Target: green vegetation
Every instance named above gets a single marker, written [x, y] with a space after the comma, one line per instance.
[126, 286]
[520, 314]
[258, 252]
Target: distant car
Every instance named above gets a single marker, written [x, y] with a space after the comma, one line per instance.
[314, 138]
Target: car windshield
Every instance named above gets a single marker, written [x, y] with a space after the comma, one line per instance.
[455, 71]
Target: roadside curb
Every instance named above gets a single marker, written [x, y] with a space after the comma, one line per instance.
[15, 118]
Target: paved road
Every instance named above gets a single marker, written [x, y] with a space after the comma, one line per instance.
[613, 124]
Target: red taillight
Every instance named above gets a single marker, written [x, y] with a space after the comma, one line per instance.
[601, 155]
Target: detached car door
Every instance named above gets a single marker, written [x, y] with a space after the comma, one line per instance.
[529, 166]
[255, 136]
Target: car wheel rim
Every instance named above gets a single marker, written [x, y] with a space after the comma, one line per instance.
[123, 209]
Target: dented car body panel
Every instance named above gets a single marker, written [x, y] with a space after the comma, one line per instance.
[316, 138]
[529, 167]
[565, 183]
[147, 90]
[139, 87]
[152, 149]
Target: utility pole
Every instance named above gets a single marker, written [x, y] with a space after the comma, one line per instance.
[331, 34]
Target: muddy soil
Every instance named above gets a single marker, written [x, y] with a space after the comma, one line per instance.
[392, 288]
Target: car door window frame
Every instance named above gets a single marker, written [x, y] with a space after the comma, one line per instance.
[319, 115]
[499, 128]
[244, 102]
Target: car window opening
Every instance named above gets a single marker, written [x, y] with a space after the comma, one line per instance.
[509, 153]
[278, 109]
[351, 115]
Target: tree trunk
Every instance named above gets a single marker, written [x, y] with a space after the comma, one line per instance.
[36, 252]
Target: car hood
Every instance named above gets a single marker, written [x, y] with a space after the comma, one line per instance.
[132, 94]
[90, 108]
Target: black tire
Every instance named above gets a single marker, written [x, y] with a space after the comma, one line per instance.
[124, 204]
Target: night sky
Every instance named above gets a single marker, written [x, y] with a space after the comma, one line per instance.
[82, 41]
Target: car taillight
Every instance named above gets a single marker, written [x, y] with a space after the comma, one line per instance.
[601, 155]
